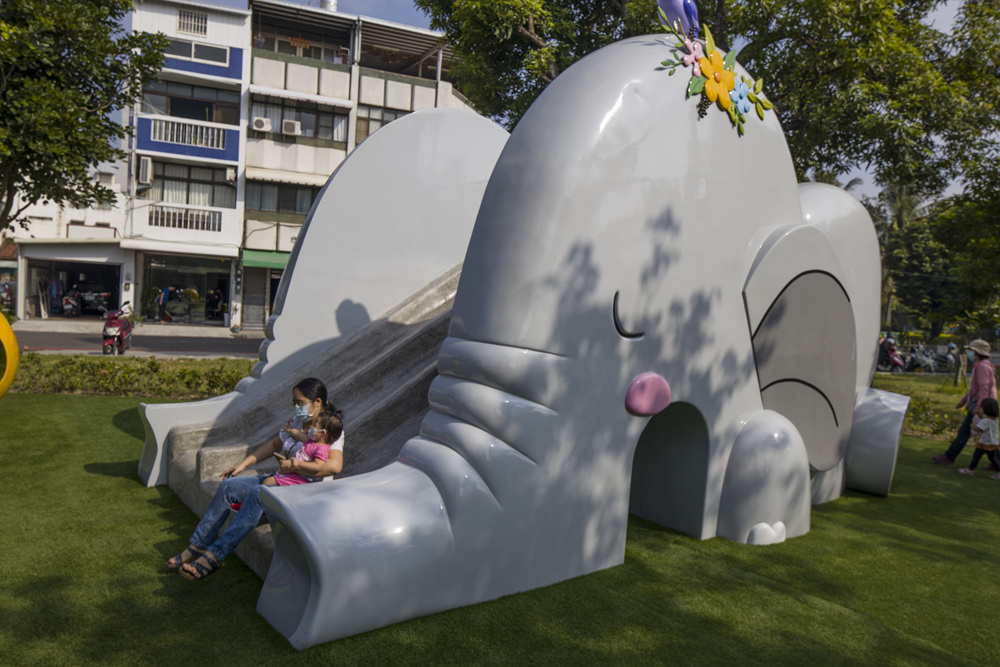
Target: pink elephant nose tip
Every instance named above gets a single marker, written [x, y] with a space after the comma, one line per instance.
[647, 395]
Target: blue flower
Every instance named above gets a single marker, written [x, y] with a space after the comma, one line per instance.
[739, 95]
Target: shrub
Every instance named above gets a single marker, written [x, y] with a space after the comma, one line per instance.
[129, 376]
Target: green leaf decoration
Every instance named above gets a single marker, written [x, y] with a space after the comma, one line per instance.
[759, 86]
[767, 104]
[752, 98]
[709, 42]
[739, 128]
[729, 62]
[732, 115]
[759, 107]
[696, 85]
[671, 73]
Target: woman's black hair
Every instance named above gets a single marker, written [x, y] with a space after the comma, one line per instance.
[312, 388]
[990, 407]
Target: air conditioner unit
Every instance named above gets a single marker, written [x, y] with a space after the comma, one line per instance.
[291, 127]
[230, 174]
[262, 124]
[145, 170]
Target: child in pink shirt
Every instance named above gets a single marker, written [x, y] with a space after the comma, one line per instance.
[310, 455]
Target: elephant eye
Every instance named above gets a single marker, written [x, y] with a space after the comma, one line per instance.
[618, 323]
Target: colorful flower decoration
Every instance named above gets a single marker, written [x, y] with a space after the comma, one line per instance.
[694, 54]
[713, 76]
[740, 95]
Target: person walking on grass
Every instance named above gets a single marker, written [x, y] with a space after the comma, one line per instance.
[982, 384]
[987, 431]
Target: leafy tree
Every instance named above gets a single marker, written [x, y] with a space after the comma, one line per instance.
[65, 68]
[922, 275]
[509, 50]
[856, 83]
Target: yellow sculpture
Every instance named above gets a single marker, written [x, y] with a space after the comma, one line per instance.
[8, 362]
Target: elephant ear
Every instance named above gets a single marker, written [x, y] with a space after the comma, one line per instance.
[799, 311]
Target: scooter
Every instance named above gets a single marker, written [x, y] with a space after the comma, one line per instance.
[889, 360]
[920, 360]
[117, 330]
[71, 302]
[947, 361]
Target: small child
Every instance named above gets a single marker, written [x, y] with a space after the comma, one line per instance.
[987, 428]
[310, 456]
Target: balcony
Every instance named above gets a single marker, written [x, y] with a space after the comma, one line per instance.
[188, 134]
[195, 219]
[164, 134]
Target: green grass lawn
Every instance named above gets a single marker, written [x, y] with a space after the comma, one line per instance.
[909, 579]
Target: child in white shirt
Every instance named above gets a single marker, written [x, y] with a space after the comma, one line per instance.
[987, 428]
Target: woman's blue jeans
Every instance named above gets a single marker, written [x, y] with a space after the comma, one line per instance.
[244, 490]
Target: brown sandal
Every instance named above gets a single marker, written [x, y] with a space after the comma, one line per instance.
[190, 553]
[201, 567]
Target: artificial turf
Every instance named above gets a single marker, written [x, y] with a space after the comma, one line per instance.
[908, 579]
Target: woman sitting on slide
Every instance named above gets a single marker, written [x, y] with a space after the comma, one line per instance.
[208, 548]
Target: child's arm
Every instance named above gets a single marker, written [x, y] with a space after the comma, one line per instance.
[298, 434]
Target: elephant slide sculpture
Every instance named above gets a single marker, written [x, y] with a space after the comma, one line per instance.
[653, 317]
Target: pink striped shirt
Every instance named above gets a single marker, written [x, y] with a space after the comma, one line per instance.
[982, 384]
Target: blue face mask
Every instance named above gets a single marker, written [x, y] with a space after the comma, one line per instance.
[302, 412]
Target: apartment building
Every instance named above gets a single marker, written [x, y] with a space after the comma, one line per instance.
[256, 105]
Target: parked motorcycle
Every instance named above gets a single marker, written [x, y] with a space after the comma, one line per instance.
[72, 303]
[117, 330]
[889, 360]
[920, 360]
[947, 361]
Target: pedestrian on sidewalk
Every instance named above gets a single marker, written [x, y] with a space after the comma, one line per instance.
[982, 384]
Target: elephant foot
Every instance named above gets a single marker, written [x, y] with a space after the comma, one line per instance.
[764, 533]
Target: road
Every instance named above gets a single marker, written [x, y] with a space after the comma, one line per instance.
[142, 345]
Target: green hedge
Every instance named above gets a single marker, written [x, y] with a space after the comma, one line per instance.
[128, 376]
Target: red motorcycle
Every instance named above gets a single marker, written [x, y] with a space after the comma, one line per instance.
[889, 359]
[117, 330]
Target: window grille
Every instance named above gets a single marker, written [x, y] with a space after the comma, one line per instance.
[193, 23]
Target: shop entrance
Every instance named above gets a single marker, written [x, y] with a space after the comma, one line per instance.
[92, 285]
[201, 294]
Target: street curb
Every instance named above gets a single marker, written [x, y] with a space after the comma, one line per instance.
[89, 325]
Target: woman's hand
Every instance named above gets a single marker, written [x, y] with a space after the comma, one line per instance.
[235, 470]
[287, 465]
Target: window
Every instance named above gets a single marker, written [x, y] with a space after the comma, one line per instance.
[182, 48]
[193, 23]
[316, 120]
[280, 197]
[182, 100]
[371, 119]
[195, 186]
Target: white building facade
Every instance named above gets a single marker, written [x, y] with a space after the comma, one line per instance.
[255, 107]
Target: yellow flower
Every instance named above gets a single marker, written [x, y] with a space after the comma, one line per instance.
[720, 80]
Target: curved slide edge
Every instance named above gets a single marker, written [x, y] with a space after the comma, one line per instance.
[874, 445]
[159, 418]
[350, 557]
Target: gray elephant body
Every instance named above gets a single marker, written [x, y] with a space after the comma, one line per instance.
[619, 234]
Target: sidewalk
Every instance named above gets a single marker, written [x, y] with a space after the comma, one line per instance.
[89, 324]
